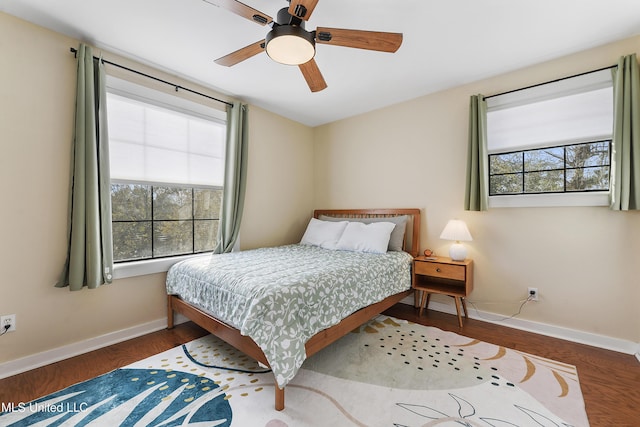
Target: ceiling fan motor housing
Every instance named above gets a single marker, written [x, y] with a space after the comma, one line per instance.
[285, 18]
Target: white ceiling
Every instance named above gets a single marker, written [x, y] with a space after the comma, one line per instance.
[446, 43]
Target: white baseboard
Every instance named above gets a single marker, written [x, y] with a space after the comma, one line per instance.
[595, 340]
[38, 360]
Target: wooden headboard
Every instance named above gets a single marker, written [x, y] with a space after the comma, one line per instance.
[412, 233]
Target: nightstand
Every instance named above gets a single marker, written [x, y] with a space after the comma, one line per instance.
[441, 275]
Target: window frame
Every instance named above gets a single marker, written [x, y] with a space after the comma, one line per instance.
[140, 93]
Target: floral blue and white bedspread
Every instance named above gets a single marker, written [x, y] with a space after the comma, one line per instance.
[282, 296]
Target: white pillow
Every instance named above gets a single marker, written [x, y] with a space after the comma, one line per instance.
[361, 237]
[323, 233]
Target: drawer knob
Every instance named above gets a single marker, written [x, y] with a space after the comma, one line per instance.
[438, 269]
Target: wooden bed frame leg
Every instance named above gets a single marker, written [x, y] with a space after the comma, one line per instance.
[279, 398]
[169, 313]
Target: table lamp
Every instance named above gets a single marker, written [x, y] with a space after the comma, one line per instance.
[456, 230]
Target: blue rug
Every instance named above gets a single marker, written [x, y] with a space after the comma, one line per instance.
[389, 372]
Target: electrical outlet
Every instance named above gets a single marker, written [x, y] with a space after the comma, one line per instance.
[533, 294]
[9, 319]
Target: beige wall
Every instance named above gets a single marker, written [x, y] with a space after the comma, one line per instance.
[584, 261]
[37, 98]
[279, 198]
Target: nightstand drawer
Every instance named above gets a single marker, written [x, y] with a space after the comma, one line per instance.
[445, 271]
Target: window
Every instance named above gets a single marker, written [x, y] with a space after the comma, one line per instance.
[551, 139]
[167, 169]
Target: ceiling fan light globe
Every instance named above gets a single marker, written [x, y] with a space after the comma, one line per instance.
[290, 45]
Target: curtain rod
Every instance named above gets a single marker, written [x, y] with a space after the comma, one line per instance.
[551, 81]
[177, 87]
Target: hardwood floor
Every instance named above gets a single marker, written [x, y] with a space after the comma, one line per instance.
[610, 381]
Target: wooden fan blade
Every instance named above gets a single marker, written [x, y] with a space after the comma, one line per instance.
[359, 39]
[302, 8]
[241, 54]
[313, 76]
[243, 10]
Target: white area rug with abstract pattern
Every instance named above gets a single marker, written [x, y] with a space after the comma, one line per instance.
[389, 372]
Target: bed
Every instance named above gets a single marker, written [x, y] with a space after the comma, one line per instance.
[280, 305]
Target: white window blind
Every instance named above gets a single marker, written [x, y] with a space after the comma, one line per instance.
[151, 143]
[576, 109]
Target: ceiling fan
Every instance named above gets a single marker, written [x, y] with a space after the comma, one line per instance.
[290, 43]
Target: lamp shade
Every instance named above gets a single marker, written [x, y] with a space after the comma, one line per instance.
[456, 230]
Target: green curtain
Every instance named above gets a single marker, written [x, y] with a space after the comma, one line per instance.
[90, 253]
[235, 178]
[625, 176]
[477, 188]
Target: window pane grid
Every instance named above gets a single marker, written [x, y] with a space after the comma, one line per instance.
[167, 230]
[569, 168]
